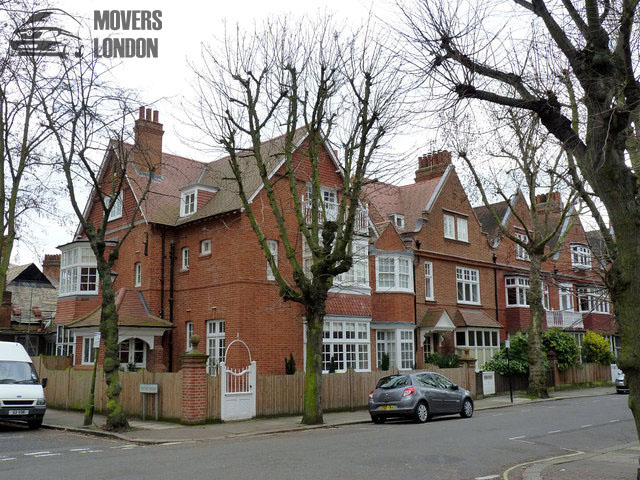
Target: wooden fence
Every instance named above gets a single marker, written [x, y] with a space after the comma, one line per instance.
[69, 389]
[585, 373]
[275, 394]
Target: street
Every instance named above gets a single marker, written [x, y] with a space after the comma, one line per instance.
[447, 448]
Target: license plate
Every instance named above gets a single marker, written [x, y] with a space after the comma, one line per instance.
[18, 412]
[388, 407]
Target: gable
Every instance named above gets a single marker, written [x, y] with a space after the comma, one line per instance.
[389, 239]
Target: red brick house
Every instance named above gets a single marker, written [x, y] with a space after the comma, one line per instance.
[424, 278]
[574, 294]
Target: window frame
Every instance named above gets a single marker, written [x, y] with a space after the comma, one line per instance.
[580, 256]
[596, 301]
[88, 353]
[521, 287]
[116, 211]
[462, 221]
[449, 226]
[482, 334]
[565, 290]
[76, 264]
[391, 341]
[203, 243]
[428, 281]
[137, 274]
[273, 246]
[188, 327]
[351, 345]
[131, 352]
[188, 202]
[216, 343]
[521, 253]
[465, 282]
[184, 255]
[398, 275]
[65, 341]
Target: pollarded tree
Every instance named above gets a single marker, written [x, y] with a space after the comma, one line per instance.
[88, 122]
[527, 64]
[311, 80]
[526, 157]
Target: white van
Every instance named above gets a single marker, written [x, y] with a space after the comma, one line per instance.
[21, 394]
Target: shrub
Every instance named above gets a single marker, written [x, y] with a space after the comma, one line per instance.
[289, 365]
[595, 349]
[450, 360]
[564, 345]
[518, 359]
[333, 365]
[384, 362]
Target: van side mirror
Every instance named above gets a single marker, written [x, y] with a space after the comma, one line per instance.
[44, 383]
[454, 387]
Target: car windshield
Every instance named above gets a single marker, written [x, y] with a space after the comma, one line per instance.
[17, 372]
[393, 382]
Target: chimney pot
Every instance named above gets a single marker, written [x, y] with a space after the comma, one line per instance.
[148, 116]
[141, 113]
[155, 116]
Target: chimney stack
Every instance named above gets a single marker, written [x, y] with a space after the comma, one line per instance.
[552, 201]
[432, 165]
[51, 266]
[147, 152]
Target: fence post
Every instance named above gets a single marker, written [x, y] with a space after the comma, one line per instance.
[553, 363]
[194, 385]
[469, 371]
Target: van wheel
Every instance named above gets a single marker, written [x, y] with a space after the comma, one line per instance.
[34, 424]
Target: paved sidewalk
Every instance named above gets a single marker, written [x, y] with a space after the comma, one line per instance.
[163, 432]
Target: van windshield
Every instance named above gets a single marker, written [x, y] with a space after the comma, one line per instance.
[17, 372]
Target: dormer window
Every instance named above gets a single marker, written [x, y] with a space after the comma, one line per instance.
[188, 202]
[580, 256]
[398, 220]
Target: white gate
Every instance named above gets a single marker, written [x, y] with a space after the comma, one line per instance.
[238, 389]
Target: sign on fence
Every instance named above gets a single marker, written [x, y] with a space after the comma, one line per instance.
[152, 389]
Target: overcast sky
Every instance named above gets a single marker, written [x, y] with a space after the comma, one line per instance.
[185, 25]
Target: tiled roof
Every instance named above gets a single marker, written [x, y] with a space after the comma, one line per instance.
[132, 312]
[431, 317]
[341, 304]
[487, 220]
[474, 318]
[408, 200]
[163, 201]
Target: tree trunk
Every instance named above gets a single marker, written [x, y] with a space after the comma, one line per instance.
[116, 419]
[537, 369]
[312, 412]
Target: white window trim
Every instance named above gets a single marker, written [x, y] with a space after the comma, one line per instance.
[71, 273]
[452, 231]
[566, 290]
[428, 280]
[138, 274]
[520, 283]
[397, 339]
[91, 353]
[398, 220]
[184, 253]
[597, 300]
[584, 254]
[189, 332]
[273, 248]
[521, 253]
[65, 341]
[360, 326]
[183, 202]
[131, 341]
[204, 243]
[462, 221]
[474, 349]
[116, 211]
[216, 351]
[469, 302]
[396, 283]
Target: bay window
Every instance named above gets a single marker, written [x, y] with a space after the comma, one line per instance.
[398, 345]
[483, 343]
[394, 273]
[346, 344]
[78, 272]
[592, 299]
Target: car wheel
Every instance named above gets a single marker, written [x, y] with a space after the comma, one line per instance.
[421, 413]
[467, 409]
[378, 419]
[34, 424]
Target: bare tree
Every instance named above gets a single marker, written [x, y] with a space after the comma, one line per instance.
[22, 136]
[311, 81]
[526, 158]
[88, 122]
[592, 44]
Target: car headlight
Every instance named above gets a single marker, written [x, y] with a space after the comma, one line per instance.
[41, 401]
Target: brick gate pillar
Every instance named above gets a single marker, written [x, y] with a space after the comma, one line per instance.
[194, 385]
